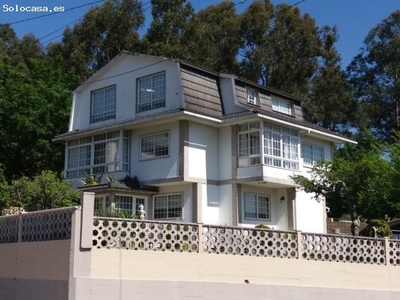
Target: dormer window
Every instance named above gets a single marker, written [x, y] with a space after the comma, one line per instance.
[151, 92]
[252, 96]
[103, 104]
[282, 106]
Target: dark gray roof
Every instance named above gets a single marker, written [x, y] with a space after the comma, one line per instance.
[134, 120]
[117, 186]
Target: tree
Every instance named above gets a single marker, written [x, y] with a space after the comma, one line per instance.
[330, 103]
[280, 52]
[34, 107]
[44, 191]
[170, 19]
[102, 34]
[375, 74]
[358, 181]
[212, 38]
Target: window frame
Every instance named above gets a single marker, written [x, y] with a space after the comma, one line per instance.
[278, 105]
[122, 143]
[268, 207]
[280, 150]
[112, 112]
[154, 103]
[168, 206]
[313, 158]
[143, 158]
[255, 100]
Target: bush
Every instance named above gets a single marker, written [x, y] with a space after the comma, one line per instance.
[381, 226]
[262, 226]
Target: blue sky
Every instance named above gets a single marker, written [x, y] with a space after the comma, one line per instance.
[354, 18]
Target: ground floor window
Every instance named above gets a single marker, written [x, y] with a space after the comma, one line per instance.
[257, 207]
[122, 206]
[168, 206]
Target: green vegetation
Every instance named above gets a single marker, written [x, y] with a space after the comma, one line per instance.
[284, 50]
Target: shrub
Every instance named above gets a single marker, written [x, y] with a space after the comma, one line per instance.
[381, 226]
[262, 226]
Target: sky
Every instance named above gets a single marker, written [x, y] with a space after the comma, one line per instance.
[354, 18]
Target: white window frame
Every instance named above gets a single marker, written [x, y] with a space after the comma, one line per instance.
[257, 207]
[262, 143]
[168, 206]
[252, 96]
[106, 111]
[157, 94]
[281, 147]
[311, 161]
[101, 204]
[116, 154]
[282, 106]
[145, 154]
[249, 147]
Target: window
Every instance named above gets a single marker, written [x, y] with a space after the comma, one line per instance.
[103, 104]
[249, 144]
[281, 147]
[270, 145]
[154, 145]
[124, 205]
[256, 207]
[282, 106]
[311, 154]
[98, 154]
[102, 205]
[151, 92]
[252, 96]
[168, 206]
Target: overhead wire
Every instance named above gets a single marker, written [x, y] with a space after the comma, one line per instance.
[50, 14]
[80, 18]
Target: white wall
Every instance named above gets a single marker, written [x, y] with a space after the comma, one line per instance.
[225, 153]
[186, 190]
[126, 89]
[228, 94]
[210, 209]
[310, 213]
[225, 204]
[202, 152]
[157, 168]
[279, 212]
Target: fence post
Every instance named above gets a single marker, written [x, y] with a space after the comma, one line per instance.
[87, 203]
[200, 238]
[387, 251]
[299, 244]
[20, 228]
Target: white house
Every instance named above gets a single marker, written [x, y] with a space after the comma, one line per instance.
[206, 147]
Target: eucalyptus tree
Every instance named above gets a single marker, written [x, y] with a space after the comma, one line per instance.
[280, 47]
[375, 75]
[170, 20]
[103, 33]
[212, 38]
[330, 101]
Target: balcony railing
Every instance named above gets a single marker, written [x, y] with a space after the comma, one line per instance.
[111, 233]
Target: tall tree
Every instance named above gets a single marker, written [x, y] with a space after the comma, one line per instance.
[330, 103]
[102, 34]
[375, 74]
[282, 52]
[212, 38]
[170, 19]
[358, 182]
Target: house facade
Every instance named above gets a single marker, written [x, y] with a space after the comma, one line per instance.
[205, 147]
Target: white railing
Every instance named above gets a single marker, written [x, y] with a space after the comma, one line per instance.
[112, 233]
[46, 225]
